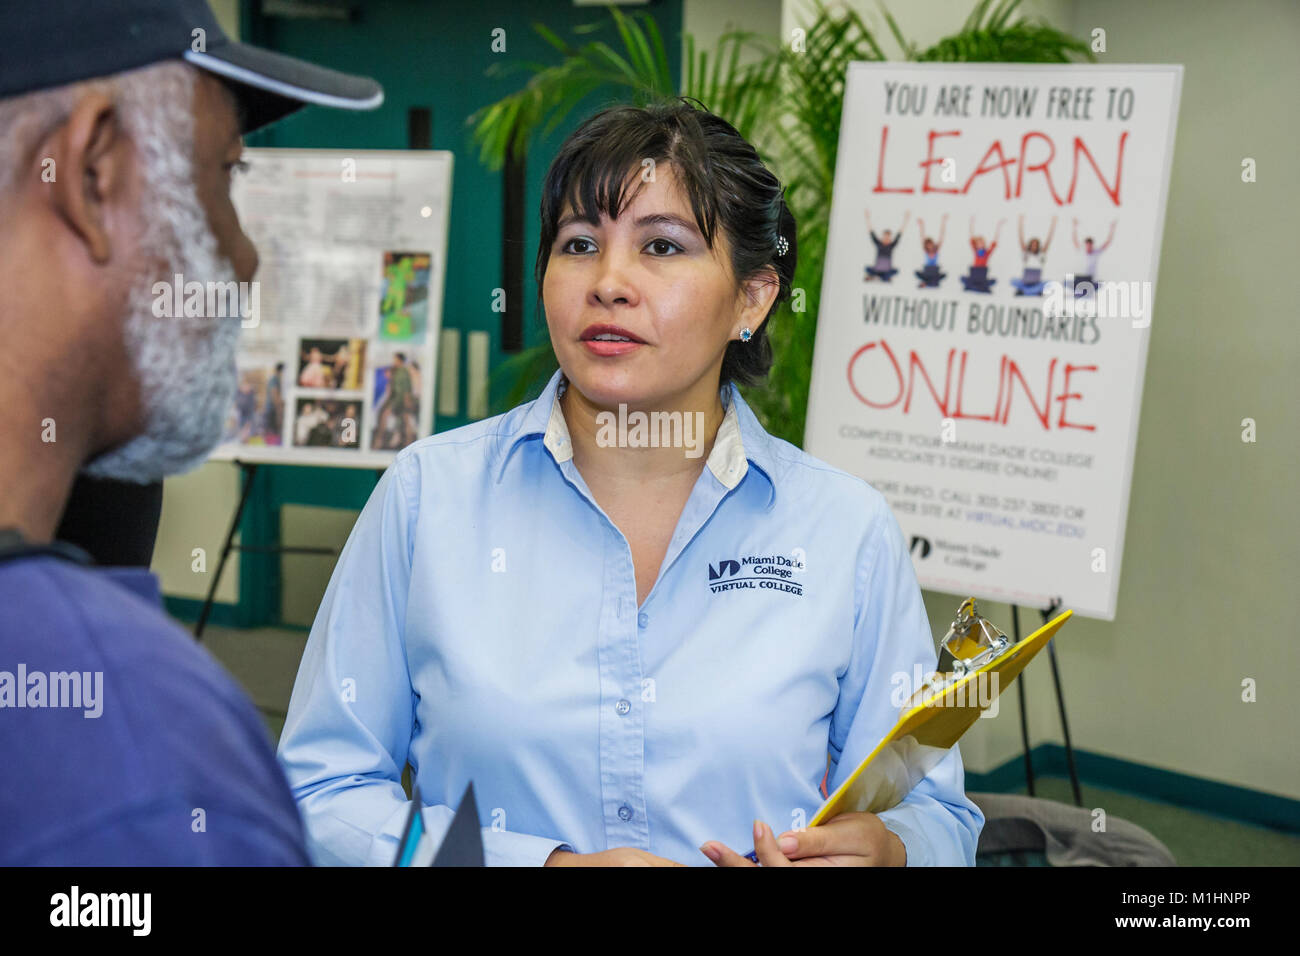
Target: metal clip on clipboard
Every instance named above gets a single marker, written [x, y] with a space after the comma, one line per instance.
[926, 730]
[971, 642]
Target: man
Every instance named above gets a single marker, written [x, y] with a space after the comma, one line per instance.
[121, 741]
[344, 429]
[315, 374]
[393, 308]
[274, 409]
[399, 391]
[1085, 282]
[310, 417]
[245, 410]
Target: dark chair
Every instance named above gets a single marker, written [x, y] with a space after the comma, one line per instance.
[1031, 831]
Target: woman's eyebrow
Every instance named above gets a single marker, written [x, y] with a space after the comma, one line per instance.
[667, 219]
[654, 219]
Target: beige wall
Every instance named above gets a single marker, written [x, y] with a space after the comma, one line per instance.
[1211, 554]
[1211, 557]
[196, 513]
[708, 21]
[922, 22]
[227, 14]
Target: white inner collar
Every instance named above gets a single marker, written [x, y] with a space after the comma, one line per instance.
[727, 460]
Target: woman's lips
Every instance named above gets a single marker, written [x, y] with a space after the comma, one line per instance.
[608, 340]
[604, 347]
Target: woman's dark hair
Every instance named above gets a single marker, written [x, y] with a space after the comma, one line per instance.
[721, 174]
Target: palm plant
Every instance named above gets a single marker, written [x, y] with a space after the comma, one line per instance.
[787, 101]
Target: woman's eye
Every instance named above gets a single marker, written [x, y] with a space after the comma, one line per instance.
[236, 168]
[661, 246]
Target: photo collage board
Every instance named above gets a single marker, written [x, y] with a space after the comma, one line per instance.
[336, 366]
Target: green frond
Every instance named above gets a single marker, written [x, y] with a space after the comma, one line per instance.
[788, 103]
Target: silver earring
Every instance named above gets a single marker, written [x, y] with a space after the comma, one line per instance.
[782, 245]
[745, 334]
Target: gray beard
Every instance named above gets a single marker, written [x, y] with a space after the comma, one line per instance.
[185, 367]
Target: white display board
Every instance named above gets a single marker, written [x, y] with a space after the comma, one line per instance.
[988, 391]
[337, 366]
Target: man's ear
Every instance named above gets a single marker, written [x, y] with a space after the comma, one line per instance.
[90, 154]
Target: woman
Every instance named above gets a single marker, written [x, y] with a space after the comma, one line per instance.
[977, 279]
[341, 360]
[1035, 257]
[635, 649]
[930, 274]
[1085, 283]
[884, 266]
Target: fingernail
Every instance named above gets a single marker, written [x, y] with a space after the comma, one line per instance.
[710, 852]
[788, 844]
[758, 830]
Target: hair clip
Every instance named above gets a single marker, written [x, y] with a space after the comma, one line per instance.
[782, 245]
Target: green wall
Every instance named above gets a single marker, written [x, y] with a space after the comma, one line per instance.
[425, 54]
[436, 55]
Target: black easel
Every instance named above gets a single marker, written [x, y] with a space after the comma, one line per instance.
[249, 472]
[1060, 706]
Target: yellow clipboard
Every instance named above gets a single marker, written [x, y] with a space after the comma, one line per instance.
[927, 730]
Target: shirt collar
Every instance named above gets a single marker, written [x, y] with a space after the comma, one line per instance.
[740, 442]
[141, 582]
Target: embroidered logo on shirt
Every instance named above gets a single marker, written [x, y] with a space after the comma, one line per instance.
[775, 572]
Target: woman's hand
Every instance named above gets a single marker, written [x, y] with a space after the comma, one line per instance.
[850, 839]
[619, 856]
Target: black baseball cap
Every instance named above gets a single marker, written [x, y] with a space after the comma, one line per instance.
[48, 43]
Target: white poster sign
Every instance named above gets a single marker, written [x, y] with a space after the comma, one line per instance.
[990, 274]
[337, 365]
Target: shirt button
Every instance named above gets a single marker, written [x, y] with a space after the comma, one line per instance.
[642, 619]
[625, 813]
[623, 706]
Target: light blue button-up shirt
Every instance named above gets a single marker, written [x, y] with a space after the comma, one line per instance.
[482, 625]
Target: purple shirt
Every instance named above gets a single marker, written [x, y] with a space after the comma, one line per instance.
[131, 746]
